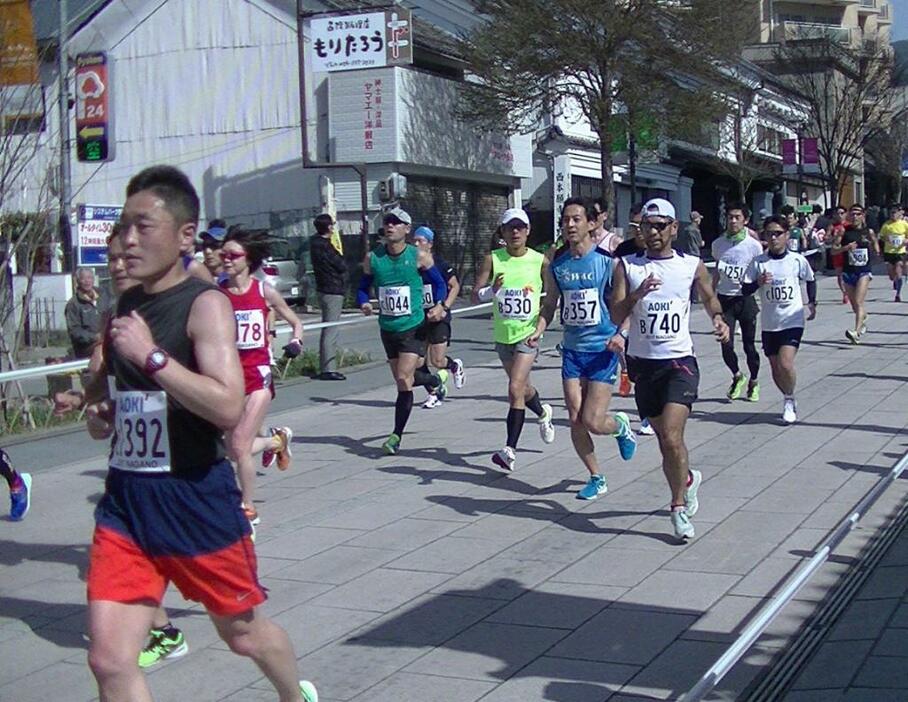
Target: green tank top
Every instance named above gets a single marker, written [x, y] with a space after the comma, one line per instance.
[515, 309]
[399, 286]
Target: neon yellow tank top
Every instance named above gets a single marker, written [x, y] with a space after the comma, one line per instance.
[894, 236]
[515, 309]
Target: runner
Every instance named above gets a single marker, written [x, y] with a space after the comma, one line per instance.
[653, 289]
[517, 274]
[837, 260]
[855, 244]
[582, 273]
[894, 235]
[170, 509]
[733, 254]
[779, 273]
[394, 269]
[438, 334]
[243, 252]
[20, 488]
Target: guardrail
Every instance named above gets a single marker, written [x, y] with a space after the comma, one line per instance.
[280, 330]
[769, 612]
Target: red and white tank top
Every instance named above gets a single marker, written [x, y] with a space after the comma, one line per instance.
[251, 311]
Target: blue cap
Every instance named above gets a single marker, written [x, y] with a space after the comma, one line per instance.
[216, 233]
[425, 233]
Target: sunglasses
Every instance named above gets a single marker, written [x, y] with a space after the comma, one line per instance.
[393, 221]
[658, 226]
[774, 232]
[231, 256]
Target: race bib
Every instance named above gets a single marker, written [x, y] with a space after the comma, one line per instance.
[514, 303]
[858, 257]
[141, 441]
[662, 319]
[582, 308]
[896, 241]
[394, 301]
[780, 292]
[793, 245]
[427, 300]
[250, 329]
[732, 272]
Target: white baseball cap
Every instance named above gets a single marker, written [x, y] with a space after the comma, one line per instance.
[515, 213]
[658, 207]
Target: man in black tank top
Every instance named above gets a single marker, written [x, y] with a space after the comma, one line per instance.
[171, 510]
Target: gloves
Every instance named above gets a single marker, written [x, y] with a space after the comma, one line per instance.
[293, 349]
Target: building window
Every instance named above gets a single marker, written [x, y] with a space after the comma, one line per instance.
[22, 110]
[769, 140]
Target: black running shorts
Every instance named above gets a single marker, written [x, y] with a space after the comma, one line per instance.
[661, 381]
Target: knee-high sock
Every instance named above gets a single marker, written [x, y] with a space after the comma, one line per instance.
[515, 426]
[535, 404]
[402, 409]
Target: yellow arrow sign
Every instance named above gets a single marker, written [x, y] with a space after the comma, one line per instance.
[87, 132]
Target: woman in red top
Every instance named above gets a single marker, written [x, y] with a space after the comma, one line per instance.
[242, 253]
[836, 230]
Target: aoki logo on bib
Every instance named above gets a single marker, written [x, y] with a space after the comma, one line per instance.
[662, 319]
[514, 303]
[581, 308]
[250, 329]
[858, 257]
[141, 441]
[394, 301]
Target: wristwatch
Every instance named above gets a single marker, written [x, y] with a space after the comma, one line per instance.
[445, 307]
[155, 360]
[623, 333]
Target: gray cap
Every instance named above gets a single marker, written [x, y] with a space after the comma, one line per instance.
[402, 215]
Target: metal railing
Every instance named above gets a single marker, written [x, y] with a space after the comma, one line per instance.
[281, 329]
[796, 31]
[768, 613]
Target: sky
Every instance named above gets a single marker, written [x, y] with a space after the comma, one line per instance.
[900, 15]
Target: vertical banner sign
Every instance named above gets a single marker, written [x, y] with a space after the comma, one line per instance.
[789, 155]
[18, 51]
[94, 224]
[368, 40]
[94, 140]
[561, 177]
[810, 155]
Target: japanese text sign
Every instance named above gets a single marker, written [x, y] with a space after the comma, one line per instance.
[369, 40]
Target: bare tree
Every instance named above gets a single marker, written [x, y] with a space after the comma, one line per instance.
[531, 58]
[847, 89]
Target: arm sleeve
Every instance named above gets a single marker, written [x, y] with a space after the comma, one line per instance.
[439, 286]
[749, 288]
[362, 294]
[812, 291]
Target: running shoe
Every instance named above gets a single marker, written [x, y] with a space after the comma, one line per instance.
[505, 458]
[864, 324]
[627, 442]
[595, 487]
[308, 691]
[284, 454]
[546, 428]
[624, 385]
[442, 390]
[460, 376]
[853, 336]
[646, 429]
[252, 515]
[161, 646]
[691, 503]
[391, 445]
[269, 456]
[20, 500]
[898, 298]
[737, 387]
[684, 530]
[753, 392]
[790, 412]
[432, 401]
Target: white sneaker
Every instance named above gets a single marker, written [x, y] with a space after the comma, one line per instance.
[691, 503]
[646, 428]
[546, 428]
[790, 412]
[505, 458]
[432, 401]
[460, 377]
[684, 530]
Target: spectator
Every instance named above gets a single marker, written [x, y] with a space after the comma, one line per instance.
[330, 282]
[211, 247]
[606, 240]
[83, 314]
[690, 240]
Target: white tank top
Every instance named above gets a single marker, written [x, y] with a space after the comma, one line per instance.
[660, 322]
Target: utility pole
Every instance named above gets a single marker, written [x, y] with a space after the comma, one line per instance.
[632, 164]
[65, 174]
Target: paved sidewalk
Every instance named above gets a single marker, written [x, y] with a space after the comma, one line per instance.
[430, 576]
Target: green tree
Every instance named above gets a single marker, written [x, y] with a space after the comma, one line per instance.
[662, 59]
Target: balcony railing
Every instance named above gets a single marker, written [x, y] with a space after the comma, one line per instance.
[798, 31]
[869, 4]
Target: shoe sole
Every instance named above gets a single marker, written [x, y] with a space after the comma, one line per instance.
[459, 376]
[287, 450]
[308, 691]
[698, 480]
[501, 463]
[587, 498]
[27, 479]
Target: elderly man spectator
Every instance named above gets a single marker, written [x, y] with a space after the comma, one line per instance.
[330, 272]
[690, 240]
[83, 314]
